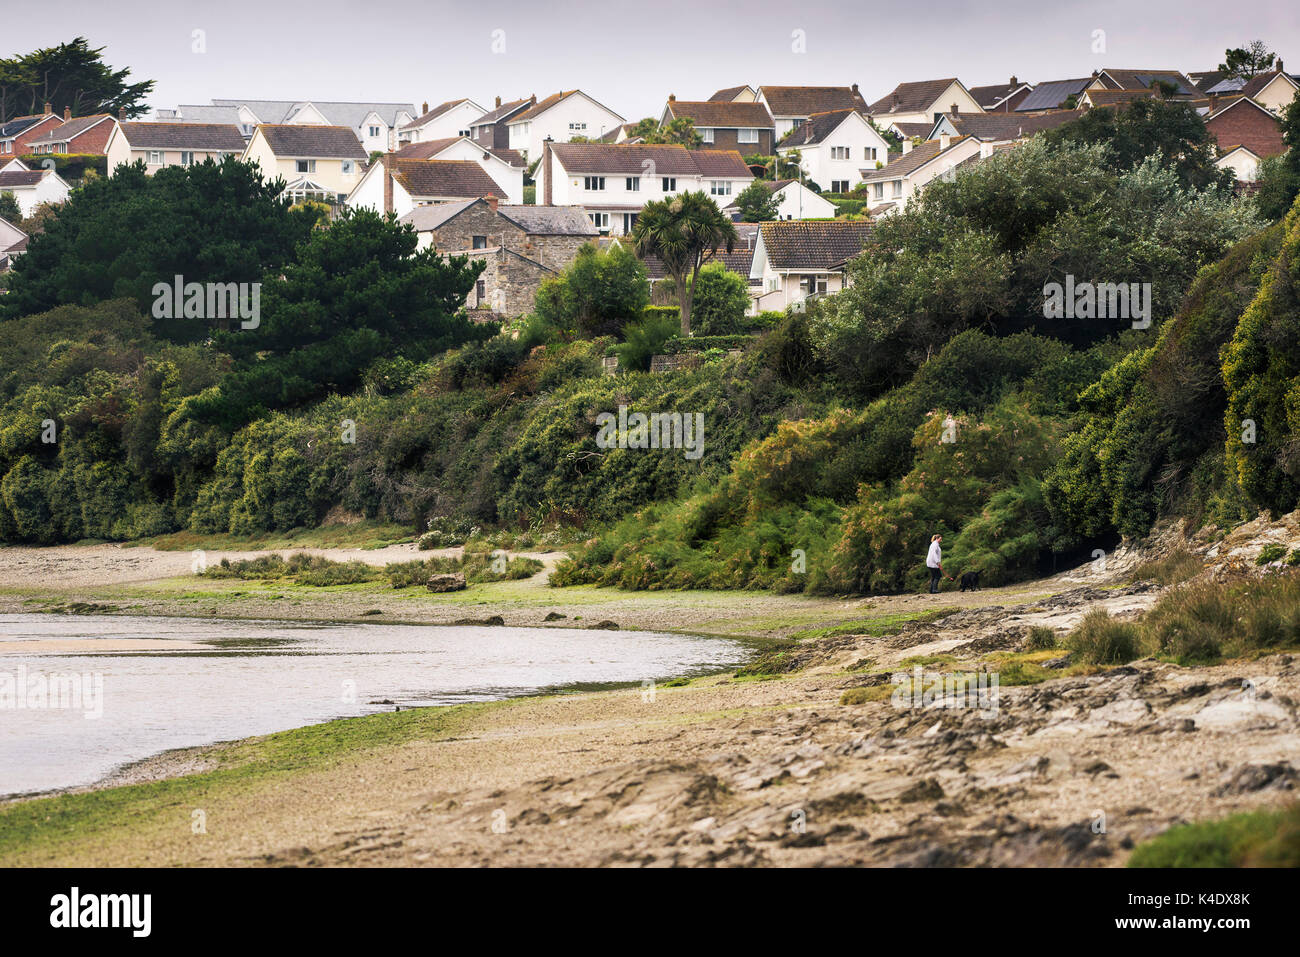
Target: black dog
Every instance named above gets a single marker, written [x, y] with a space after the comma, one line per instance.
[971, 581]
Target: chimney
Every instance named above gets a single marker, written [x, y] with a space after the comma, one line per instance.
[943, 141]
[121, 114]
[672, 97]
[1279, 66]
[498, 101]
[1214, 102]
[548, 192]
[955, 109]
[532, 98]
[907, 145]
[1014, 81]
[893, 101]
[67, 113]
[855, 88]
[390, 170]
[424, 107]
[492, 201]
[48, 110]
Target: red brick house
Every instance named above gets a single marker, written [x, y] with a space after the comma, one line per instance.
[85, 134]
[1243, 122]
[16, 134]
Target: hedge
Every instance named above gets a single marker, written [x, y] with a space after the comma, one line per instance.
[71, 166]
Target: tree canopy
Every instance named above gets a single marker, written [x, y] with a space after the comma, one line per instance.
[71, 75]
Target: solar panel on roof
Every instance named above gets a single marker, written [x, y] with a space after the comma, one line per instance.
[1048, 96]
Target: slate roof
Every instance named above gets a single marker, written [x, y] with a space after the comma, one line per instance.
[910, 161]
[1256, 84]
[428, 149]
[626, 160]
[990, 96]
[424, 218]
[427, 177]
[1051, 94]
[351, 115]
[66, 131]
[739, 260]
[185, 136]
[708, 113]
[803, 101]
[550, 220]
[816, 128]
[909, 130]
[1117, 97]
[16, 179]
[330, 142]
[18, 124]
[1008, 126]
[434, 113]
[912, 97]
[502, 112]
[805, 244]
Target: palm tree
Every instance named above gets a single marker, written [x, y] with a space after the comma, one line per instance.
[682, 231]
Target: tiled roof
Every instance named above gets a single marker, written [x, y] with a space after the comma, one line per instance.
[910, 161]
[351, 115]
[912, 97]
[722, 115]
[626, 160]
[425, 218]
[990, 96]
[550, 220]
[428, 149]
[1256, 84]
[433, 114]
[1207, 80]
[541, 106]
[1117, 97]
[910, 130]
[502, 112]
[73, 127]
[1051, 94]
[729, 94]
[804, 101]
[187, 136]
[807, 244]
[333, 142]
[1142, 80]
[19, 178]
[1008, 126]
[18, 124]
[739, 260]
[426, 177]
[816, 128]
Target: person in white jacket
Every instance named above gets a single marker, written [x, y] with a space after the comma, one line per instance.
[934, 562]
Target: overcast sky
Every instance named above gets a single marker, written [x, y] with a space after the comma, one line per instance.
[629, 55]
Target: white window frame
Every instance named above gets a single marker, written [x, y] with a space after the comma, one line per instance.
[840, 182]
[839, 152]
[719, 187]
[155, 157]
[304, 165]
[868, 152]
[633, 184]
[349, 167]
[599, 220]
[748, 134]
[669, 184]
[187, 157]
[374, 131]
[593, 184]
[706, 134]
[878, 190]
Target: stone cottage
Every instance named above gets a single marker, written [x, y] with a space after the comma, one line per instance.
[522, 245]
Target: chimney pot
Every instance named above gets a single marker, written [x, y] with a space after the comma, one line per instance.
[67, 113]
[498, 101]
[855, 88]
[1014, 81]
[672, 97]
[424, 107]
[48, 110]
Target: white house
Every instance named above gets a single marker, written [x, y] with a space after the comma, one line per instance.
[13, 243]
[450, 119]
[735, 94]
[834, 148]
[923, 101]
[419, 182]
[560, 117]
[1274, 91]
[1242, 160]
[506, 167]
[790, 106]
[795, 260]
[794, 201]
[374, 124]
[321, 163]
[171, 144]
[899, 181]
[32, 187]
[614, 182]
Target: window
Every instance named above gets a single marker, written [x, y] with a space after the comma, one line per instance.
[878, 190]
[839, 152]
[813, 285]
[634, 184]
[868, 152]
[898, 188]
[480, 242]
[246, 129]
[670, 184]
[577, 127]
[464, 133]
[6, 146]
[155, 157]
[747, 136]
[374, 131]
[480, 290]
[720, 187]
[187, 158]
[839, 186]
[600, 221]
[349, 167]
[773, 283]
[706, 134]
[593, 182]
[305, 166]
[629, 222]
